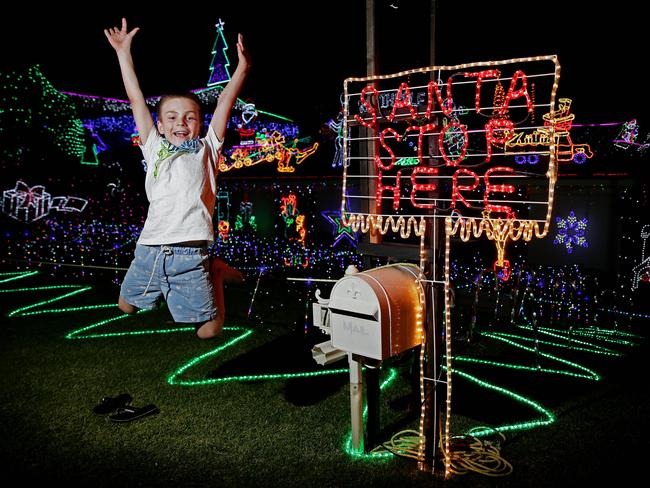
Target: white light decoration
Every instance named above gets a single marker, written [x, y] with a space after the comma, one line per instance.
[28, 204]
[571, 232]
[642, 270]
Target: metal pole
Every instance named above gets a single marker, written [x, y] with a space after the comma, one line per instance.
[371, 51]
[372, 145]
[434, 241]
[356, 401]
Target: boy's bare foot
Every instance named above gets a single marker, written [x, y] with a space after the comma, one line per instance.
[228, 274]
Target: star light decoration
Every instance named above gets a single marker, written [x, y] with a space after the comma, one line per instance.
[340, 230]
[571, 232]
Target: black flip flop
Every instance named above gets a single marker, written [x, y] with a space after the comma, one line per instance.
[129, 413]
[110, 404]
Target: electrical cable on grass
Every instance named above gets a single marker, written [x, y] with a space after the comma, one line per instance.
[467, 453]
[402, 444]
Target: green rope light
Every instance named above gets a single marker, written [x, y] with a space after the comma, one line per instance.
[358, 453]
[613, 332]
[591, 332]
[173, 378]
[76, 334]
[40, 288]
[607, 337]
[602, 309]
[592, 348]
[591, 374]
[79, 333]
[20, 275]
[564, 335]
[70, 309]
[51, 300]
[548, 417]
[520, 367]
[136, 332]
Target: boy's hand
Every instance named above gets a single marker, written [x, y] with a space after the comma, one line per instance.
[244, 57]
[121, 39]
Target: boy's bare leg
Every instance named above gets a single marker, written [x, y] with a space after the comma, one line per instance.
[211, 328]
[229, 274]
[220, 272]
[126, 307]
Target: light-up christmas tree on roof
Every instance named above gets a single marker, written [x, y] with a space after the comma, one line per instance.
[219, 66]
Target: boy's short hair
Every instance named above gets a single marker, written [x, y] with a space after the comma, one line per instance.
[172, 95]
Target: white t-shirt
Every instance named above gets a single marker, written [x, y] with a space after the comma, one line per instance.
[182, 195]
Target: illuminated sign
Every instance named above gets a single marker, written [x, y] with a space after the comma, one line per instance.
[456, 124]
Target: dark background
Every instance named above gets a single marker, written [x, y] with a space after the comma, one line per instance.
[302, 51]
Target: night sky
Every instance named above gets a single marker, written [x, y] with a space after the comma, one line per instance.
[301, 55]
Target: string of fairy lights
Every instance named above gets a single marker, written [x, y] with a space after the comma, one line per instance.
[50, 112]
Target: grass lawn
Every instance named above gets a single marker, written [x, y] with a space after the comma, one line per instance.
[222, 424]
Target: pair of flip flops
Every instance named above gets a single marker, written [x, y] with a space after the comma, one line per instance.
[121, 409]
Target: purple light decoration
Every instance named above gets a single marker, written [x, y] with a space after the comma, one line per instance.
[219, 66]
[527, 159]
[579, 158]
[571, 232]
[340, 231]
[96, 97]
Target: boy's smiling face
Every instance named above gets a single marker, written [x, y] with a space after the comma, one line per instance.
[180, 120]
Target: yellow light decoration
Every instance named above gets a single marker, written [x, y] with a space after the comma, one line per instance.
[224, 229]
[562, 121]
[266, 150]
[384, 223]
[301, 229]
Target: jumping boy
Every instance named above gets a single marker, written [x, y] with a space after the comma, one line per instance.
[171, 258]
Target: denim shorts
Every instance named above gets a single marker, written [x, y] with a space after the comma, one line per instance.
[178, 275]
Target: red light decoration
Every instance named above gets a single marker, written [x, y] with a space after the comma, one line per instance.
[489, 188]
[382, 188]
[370, 108]
[447, 107]
[498, 222]
[517, 93]
[402, 100]
[224, 228]
[503, 125]
[480, 76]
[456, 188]
[289, 207]
[295, 261]
[502, 270]
[422, 187]
[380, 165]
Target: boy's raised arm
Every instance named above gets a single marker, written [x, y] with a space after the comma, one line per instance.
[121, 39]
[231, 91]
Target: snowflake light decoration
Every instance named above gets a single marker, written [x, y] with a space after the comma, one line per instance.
[571, 232]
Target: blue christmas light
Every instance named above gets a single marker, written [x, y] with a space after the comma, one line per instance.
[571, 232]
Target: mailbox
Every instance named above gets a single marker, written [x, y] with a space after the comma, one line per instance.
[375, 313]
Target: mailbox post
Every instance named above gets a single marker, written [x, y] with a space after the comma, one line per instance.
[371, 315]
